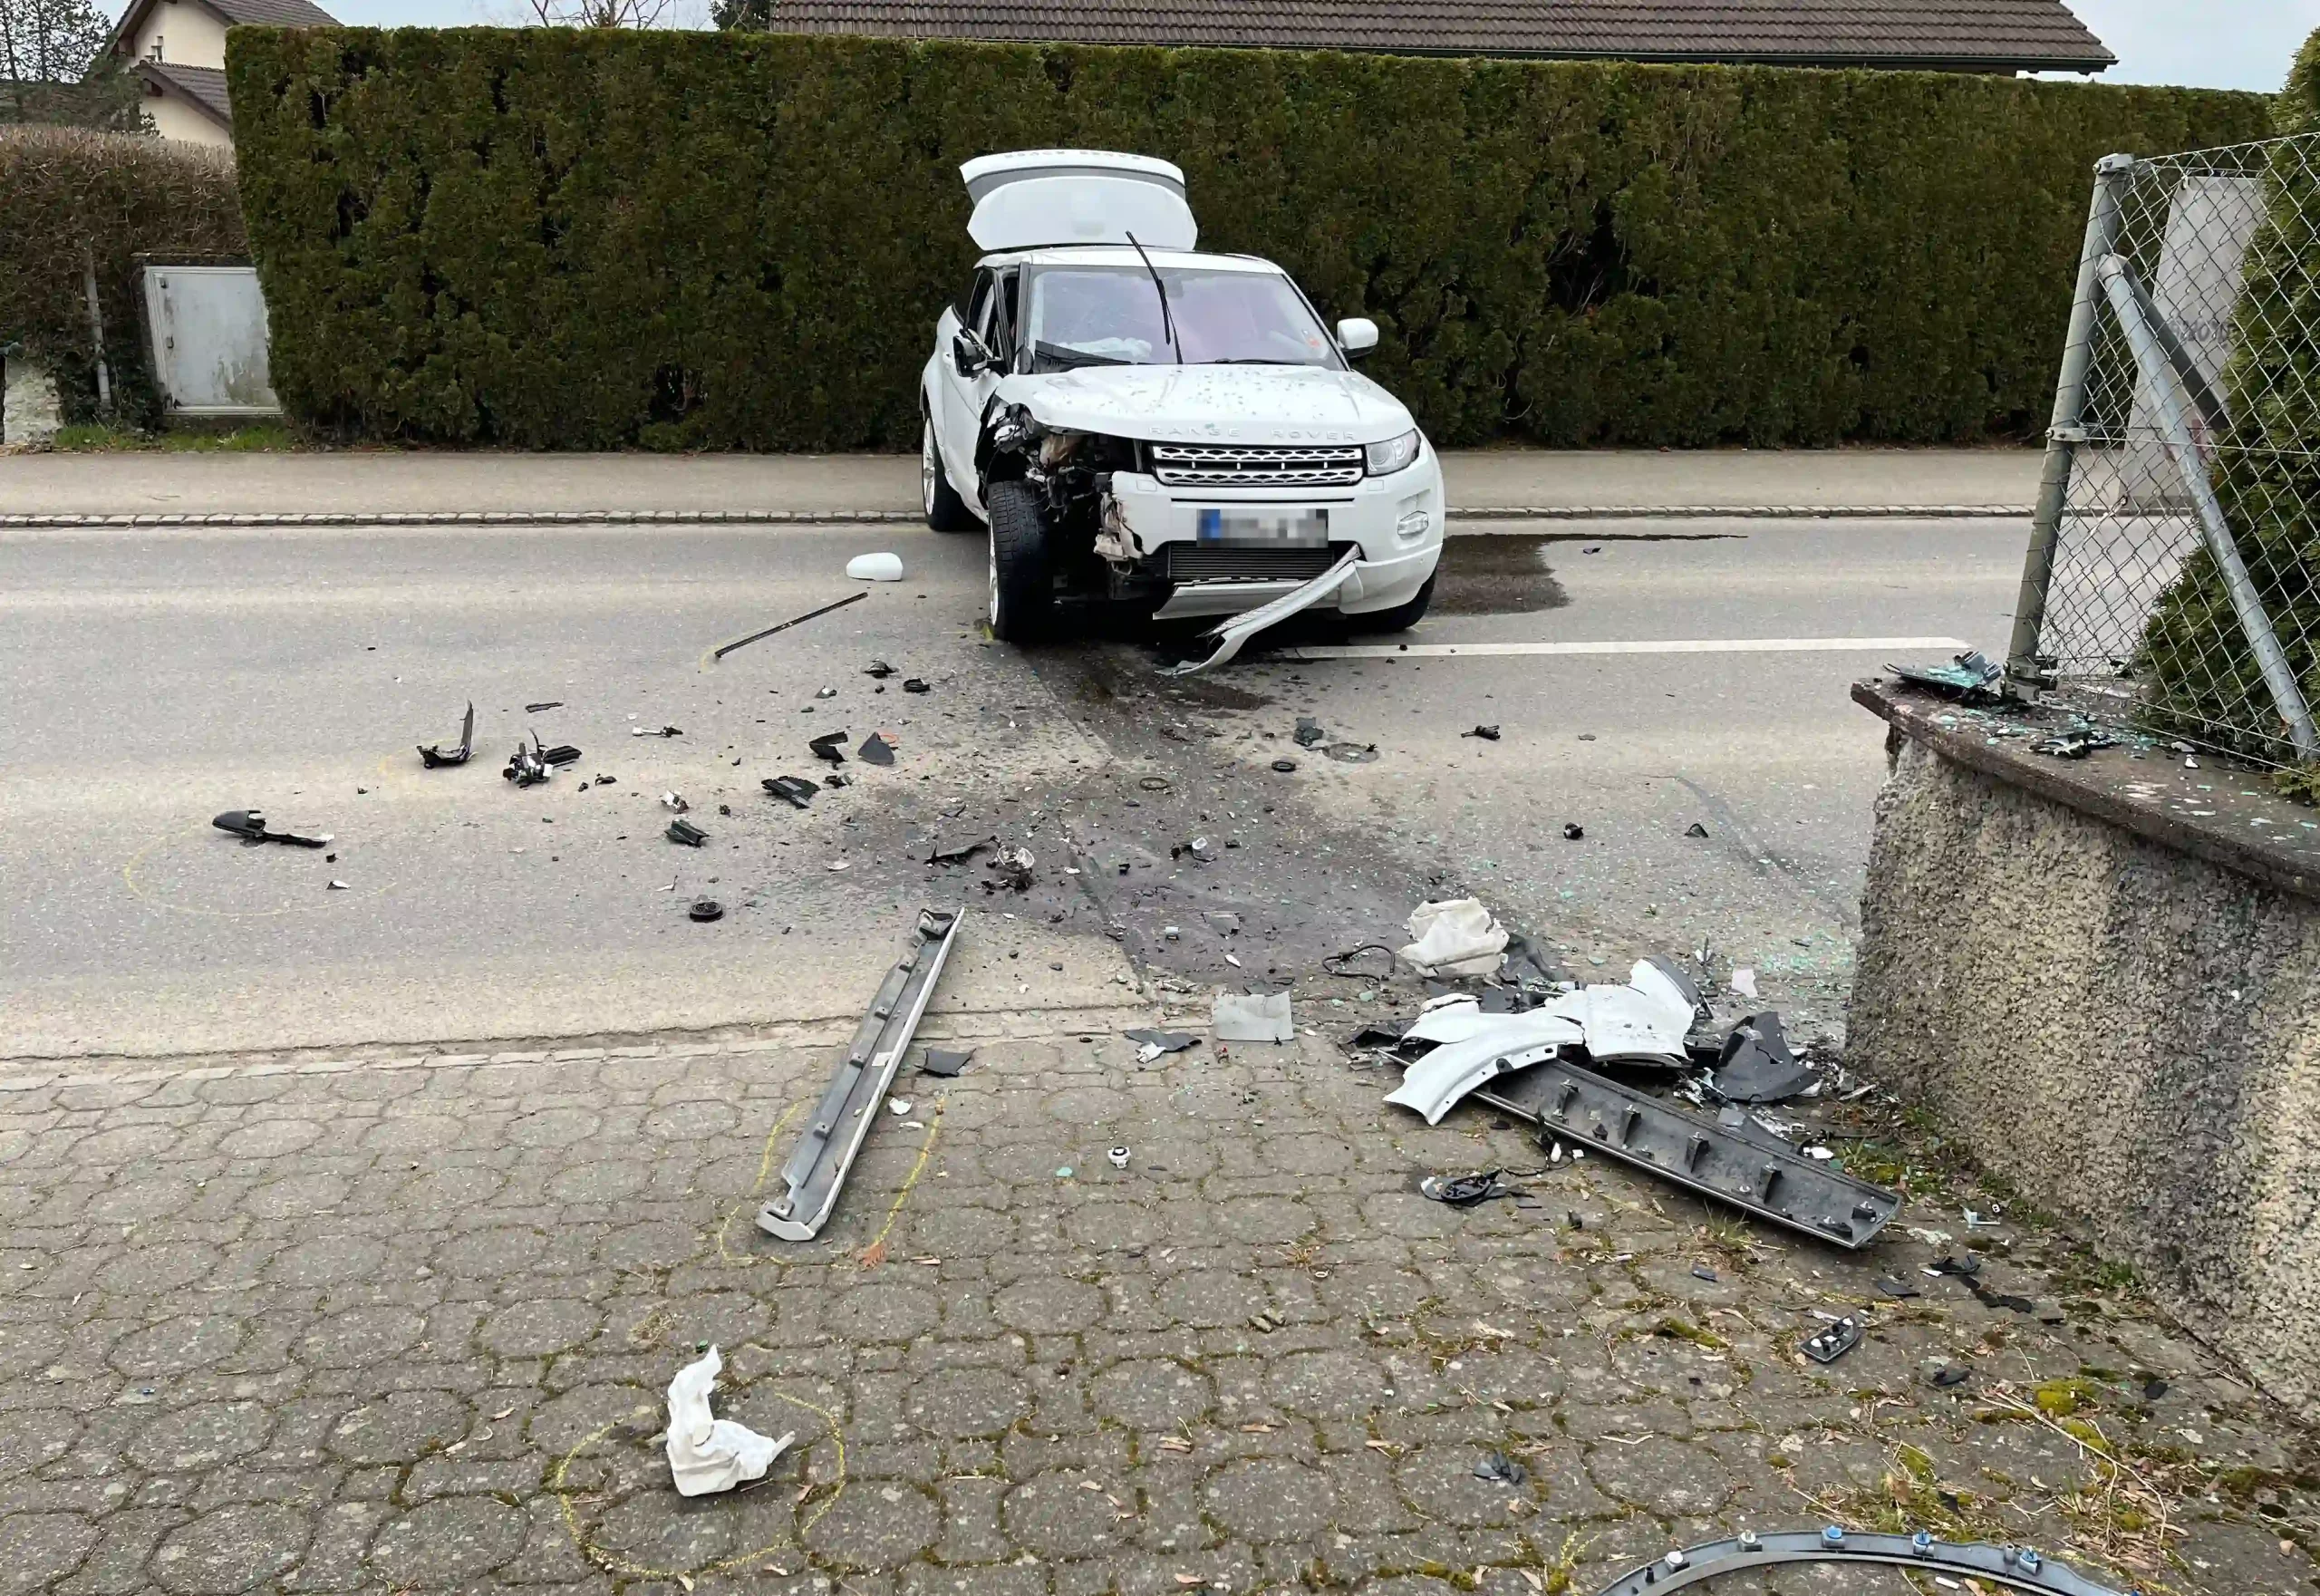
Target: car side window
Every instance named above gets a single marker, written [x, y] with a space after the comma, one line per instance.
[996, 327]
[978, 301]
[1010, 317]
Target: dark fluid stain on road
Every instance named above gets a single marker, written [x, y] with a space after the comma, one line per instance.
[1497, 573]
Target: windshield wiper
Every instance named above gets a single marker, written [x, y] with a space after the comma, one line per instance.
[1043, 349]
[1168, 321]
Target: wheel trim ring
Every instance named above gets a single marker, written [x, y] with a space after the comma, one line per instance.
[926, 466]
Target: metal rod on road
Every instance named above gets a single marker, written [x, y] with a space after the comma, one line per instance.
[2022, 675]
[725, 648]
[2159, 377]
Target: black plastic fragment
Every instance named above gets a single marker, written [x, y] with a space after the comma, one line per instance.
[1756, 1064]
[1463, 1191]
[1955, 1374]
[785, 625]
[1501, 1468]
[656, 731]
[875, 751]
[915, 684]
[1696, 829]
[1488, 733]
[794, 790]
[878, 669]
[706, 910]
[1895, 1287]
[530, 766]
[541, 709]
[433, 755]
[1832, 1341]
[958, 853]
[942, 1062]
[1309, 732]
[249, 825]
[1167, 1042]
[1572, 831]
[830, 746]
[1284, 766]
[686, 832]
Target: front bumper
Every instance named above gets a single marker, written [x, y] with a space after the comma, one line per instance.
[1395, 522]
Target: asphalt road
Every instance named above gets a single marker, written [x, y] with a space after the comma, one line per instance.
[154, 679]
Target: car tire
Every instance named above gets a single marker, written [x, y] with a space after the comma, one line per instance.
[1400, 618]
[1022, 589]
[945, 511]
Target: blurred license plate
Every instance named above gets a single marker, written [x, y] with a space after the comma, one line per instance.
[1218, 526]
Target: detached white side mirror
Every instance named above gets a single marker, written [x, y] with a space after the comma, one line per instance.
[1357, 334]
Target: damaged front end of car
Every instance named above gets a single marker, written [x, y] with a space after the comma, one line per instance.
[1093, 553]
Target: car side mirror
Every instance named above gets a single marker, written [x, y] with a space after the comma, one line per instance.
[1357, 334]
[968, 353]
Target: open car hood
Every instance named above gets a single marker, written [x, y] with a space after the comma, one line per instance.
[1028, 198]
[1215, 405]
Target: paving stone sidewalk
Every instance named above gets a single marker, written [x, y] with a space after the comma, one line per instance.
[405, 1324]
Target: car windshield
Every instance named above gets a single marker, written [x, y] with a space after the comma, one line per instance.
[1091, 315]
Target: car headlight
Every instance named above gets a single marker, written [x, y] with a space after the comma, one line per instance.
[1386, 458]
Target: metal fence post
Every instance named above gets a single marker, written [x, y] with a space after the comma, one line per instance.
[2159, 377]
[2022, 675]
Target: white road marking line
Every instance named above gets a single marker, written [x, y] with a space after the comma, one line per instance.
[1672, 645]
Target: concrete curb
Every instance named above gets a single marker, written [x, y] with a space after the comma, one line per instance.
[1598, 512]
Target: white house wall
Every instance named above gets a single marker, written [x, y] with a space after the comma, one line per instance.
[191, 35]
[174, 119]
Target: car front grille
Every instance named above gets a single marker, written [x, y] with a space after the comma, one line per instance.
[1272, 562]
[1236, 465]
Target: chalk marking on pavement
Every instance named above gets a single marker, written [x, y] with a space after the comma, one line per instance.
[765, 1171]
[1672, 645]
[875, 1254]
[611, 1561]
[137, 891]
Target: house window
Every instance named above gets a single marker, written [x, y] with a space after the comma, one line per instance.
[157, 47]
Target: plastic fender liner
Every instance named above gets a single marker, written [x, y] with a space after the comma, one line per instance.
[2018, 1568]
[1434, 1085]
[816, 1168]
[1743, 1165]
[1231, 635]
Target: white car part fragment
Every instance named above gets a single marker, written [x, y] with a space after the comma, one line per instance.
[1233, 633]
[1434, 1085]
[1644, 1021]
[1454, 937]
[875, 567]
[708, 1453]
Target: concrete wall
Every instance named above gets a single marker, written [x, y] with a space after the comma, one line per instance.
[2126, 1034]
[29, 412]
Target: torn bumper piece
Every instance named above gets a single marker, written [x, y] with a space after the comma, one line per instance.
[1752, 1169]
[2015, 1568]
[817, 1168]
[1231, 635]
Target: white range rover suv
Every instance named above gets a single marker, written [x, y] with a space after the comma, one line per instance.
[1143, 424]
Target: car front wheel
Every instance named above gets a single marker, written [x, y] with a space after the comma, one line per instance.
[945, 511]
[1022, 590]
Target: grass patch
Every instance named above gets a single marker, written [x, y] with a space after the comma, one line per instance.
[102, 438]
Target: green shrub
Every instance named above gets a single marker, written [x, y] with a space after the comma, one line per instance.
[2200, 674]
[590, 238]
[70, 198]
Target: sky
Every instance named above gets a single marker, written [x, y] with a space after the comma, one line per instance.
[2208, 44]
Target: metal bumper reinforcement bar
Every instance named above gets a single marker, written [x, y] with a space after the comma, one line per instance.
[1730, 1158]
[2017, 1568]
[816, 1168]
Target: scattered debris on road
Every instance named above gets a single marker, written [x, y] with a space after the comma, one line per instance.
[674, 801]
[875, 567]
[1977, 1563]
[1463, 1191]
[830, 746]
[656, 731]
[544, 707]
[530, 764]
[875, 750]
[1154, 1044]
[915, 684]
[1309, 733]
[958, 853]
[1501, 1469]
[794, 790]
[724, 649]
[1572, 831]
[1011, 869]
[433, 756]
[1973, 679]
[687, 833]
[707, 1453]
[1252, 1017]
[249, 825]
[1488, 733]
[1696, 829]
[1832, 1341]
[1118, 1156]
[944, 1063]
[1456, 936]
[878, 669]
[706, 910]
[833, 1136]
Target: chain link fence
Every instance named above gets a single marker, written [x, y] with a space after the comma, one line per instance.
[2171, 585]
